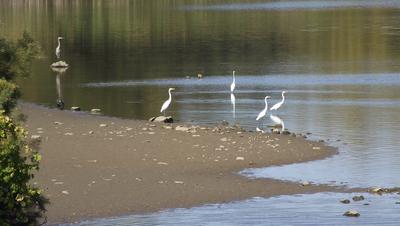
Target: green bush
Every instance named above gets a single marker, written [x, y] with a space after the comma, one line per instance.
[21, 203]
[15, 59]
[9, 94]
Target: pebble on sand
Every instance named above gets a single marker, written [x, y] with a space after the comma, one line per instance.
[103, 125]
[239, 158]
[36, 137]
[75, 108]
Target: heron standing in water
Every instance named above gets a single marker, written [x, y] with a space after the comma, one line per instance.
[167, 102]
[58, 49]
[279, 104]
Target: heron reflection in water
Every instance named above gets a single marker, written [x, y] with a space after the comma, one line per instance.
[60, 101]
[233, 101]
[278, 121]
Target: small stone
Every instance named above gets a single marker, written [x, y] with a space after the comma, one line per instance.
[167, 127]
[103, 125]
[358, 198]
[162, 163]
[199, 76]
[75, 108]
[58, 123]
[36, 137]
[68, 134]
[397, 202]
[240, 158]
[65, 192]
[224, 139]
[377, 190]
[91, 132]
[305, 183]
[276, 131]
[351, 213]
[316, 148]
[345, 201]
[178, 182]
[182, 128]
[95, 110]
[224, 123]
[165, 119]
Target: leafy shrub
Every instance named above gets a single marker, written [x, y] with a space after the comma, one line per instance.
[21, 203]
[8, 96]
[15, 59]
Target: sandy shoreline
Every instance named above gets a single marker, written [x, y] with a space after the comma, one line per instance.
[90, 170]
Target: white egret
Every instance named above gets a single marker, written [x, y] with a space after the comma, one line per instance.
[58, 49]
[167, 102]
[233, 101]
[279, 104]
[277, 120]
[264, 111]
[233, 82]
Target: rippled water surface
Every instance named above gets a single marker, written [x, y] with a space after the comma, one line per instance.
[316, 209]
[338, 60]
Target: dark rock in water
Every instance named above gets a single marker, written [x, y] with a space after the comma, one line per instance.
[358, 198]
[397, 202]
[366, 204]
[308, 133]
[351, 213]
[285, 132]
[345, 201]
[224, 123]
[75, 108]
[165, 119]
[321, 141]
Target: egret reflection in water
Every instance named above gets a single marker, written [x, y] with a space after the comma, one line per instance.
[277, 121]
[233, 101]
[59, 71]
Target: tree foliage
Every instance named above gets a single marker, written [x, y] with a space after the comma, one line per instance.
[21, 203]
[15, 58]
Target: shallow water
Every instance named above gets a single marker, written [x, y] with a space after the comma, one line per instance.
[316, 209]
[338, 60]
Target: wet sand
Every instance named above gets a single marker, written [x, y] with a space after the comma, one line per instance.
[95, 166]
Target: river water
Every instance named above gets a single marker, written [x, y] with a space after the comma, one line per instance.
[339, 62]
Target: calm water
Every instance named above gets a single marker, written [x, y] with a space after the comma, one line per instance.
[316, 209]
[338, 60]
